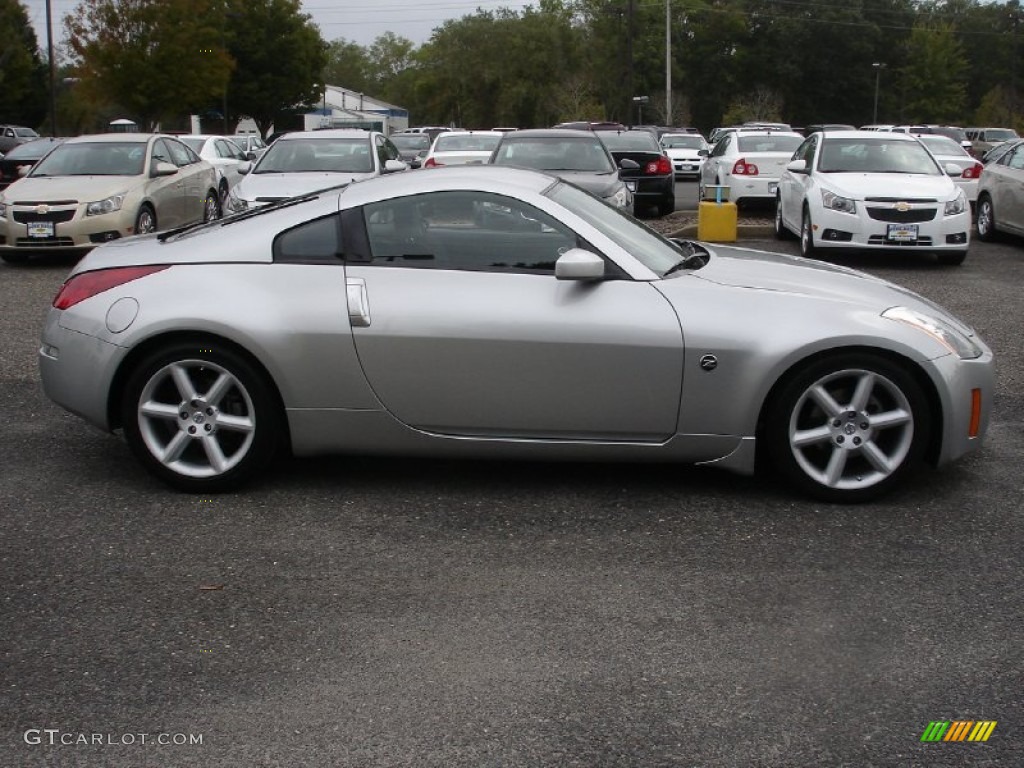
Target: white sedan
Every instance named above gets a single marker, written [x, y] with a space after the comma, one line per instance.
[749, 161]
[949, 152]
[462, 148]
[224, 155]
[865, 190]
[686, 151]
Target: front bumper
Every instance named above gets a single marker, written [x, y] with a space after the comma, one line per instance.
[864, 231]
[956, 381]
[27, 229]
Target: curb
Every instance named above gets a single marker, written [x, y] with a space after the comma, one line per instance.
[743, 231]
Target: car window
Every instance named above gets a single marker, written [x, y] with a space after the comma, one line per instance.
[682, 142]
[622, 141]
[556, 153]
[228, 150]
[768, 143]
[465, 230]
[315, 241]
[469, 143]
[1016, 159]
[317, 155]
[806, 150]
[180, 154]
[722, 146]
[161, 153]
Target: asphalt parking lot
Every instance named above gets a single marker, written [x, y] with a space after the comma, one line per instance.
[379, 612]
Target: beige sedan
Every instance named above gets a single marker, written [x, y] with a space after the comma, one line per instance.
[94, 189]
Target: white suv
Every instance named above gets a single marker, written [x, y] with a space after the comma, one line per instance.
[869, 190]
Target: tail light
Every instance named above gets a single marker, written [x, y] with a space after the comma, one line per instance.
[432, 163]
[973, 172]
[87, 284]
[661, 167]
[743, 168]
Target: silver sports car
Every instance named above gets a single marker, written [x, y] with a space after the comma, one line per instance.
[500, 312]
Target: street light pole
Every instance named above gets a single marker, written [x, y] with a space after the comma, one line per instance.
[53, 67]
[668, 62]
[879, 66]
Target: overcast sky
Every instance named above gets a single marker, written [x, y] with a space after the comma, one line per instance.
[358, 20]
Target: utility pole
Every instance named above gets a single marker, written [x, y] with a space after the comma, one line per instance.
[629, 57]
[53, 66]
[668, 62]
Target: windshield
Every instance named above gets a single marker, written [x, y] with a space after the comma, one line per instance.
[555, 154]
[31, 150]
[413, 141]
[769, 143]
[25, 133]
[469, 143]
[881, 155]
[682, 142]
[655, 252]
[317, 156]
[93, 159]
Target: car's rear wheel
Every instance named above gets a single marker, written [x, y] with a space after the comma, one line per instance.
[847, 428]
[781, 232]
[200, 417]
[667, 206]
[807, 249]
[145, 220]
[985, 220]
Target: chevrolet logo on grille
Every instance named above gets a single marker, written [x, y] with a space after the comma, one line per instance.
[902, 207]
[42, 209]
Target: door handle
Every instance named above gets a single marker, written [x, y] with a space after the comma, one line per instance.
[358, 302]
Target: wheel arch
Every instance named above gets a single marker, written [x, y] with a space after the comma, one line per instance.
[147, 347]
[936, 424]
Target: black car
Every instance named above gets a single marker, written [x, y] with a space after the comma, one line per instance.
[412, 147]
[24, 155]
[654, 181]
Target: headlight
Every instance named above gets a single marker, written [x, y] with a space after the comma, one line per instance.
[944, 333]
[957, 204]
[620, 198]
[111, 204]
[834, 202]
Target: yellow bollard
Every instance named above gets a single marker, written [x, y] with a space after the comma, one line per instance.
[716, 222]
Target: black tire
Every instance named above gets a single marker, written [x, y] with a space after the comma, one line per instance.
[954, 259]
[807, 249]
[667, 206]
[14, 258]
[212, 206]
[985, 220]
[226, 430]
[781, 233]
[842, 457]
[145, 220]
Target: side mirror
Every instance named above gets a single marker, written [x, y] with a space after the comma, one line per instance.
[390, 166]
[245, 167]
[797, 166]
[161, 168]
[703, 152]
[251, 155]
[578, 264]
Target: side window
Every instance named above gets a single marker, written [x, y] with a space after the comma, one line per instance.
[1016, 159]
[382, 155]
[391, 150]
[317, 241]
[471, 231]
[161, 154]
[721, 146]
[180, 154]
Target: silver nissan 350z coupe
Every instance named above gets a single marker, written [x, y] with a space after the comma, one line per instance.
[501, 312]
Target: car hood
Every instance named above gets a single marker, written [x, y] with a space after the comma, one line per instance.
[83, 189]
[892, 186]
[269, 187]
[793, 275]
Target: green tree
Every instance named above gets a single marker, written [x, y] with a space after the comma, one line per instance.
[159, 59]
[23, 75]
[348, 65]
[279, 55]
[934, 80]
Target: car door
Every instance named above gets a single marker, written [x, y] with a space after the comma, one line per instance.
[166, 192]
[709, 174]
[462, 328]
[794, 187]
[231, 157]
[196, 180]
[1009, 207]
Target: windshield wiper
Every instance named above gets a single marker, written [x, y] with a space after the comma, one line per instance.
[695, 258]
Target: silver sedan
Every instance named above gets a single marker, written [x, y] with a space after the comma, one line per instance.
[499, 312]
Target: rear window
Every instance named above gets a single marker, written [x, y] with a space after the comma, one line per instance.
[471, 143]
[769, 143]
[630, 140]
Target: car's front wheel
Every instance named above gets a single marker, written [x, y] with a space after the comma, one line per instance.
[847, 428]
[985, 219]
[807, 249]
[200, 417]
[145, 220]
[781, 233]
[212, 206]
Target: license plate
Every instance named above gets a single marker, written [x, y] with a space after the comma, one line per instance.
[40, 229]
[772, 187]
[902, 233]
